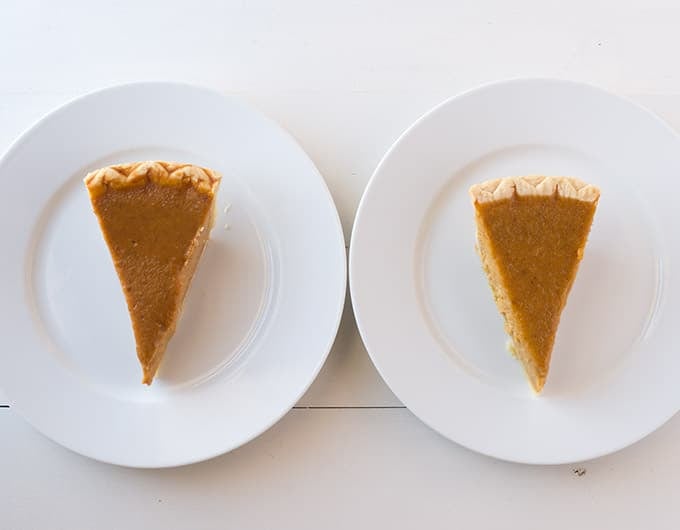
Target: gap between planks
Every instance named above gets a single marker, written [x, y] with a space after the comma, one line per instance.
[348, 407]
[324, 407]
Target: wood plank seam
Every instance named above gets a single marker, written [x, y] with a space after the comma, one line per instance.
[347, 407]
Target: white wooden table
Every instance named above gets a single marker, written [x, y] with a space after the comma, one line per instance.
[345, 78]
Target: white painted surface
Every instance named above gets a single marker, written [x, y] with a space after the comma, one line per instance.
[345, 80]
[339, 469]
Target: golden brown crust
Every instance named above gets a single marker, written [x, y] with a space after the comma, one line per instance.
[505, 188]
[163, 173]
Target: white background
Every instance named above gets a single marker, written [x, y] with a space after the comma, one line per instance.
[345, 78]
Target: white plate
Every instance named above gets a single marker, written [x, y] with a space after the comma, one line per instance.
[425, 310]
[261, 314]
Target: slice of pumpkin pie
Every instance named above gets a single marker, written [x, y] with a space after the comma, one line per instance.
[156, 218]
[531, 235]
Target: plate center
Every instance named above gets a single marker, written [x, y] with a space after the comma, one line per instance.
[611, 303]
[81, 307]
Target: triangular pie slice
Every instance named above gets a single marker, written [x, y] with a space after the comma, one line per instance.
[156, 218]
[531, 234]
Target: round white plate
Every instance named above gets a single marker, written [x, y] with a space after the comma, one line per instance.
[424, 307]
[259, 319]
